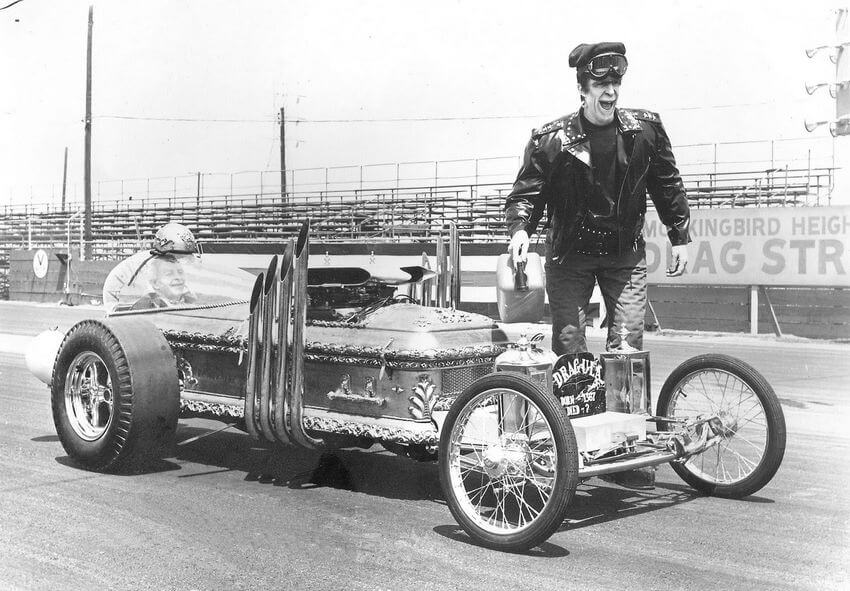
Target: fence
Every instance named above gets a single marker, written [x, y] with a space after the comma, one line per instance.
[705, 159]
[389, 214]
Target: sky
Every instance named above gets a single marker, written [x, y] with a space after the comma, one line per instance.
[186, 86]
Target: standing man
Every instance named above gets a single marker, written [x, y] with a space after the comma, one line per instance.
[591, 171]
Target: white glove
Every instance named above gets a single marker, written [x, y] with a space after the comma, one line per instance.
[680, 261]
[518, 246]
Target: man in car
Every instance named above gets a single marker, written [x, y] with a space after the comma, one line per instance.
[591, 171]
[124, 284]
[168, 282]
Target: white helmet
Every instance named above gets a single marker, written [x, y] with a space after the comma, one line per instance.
[174, 238]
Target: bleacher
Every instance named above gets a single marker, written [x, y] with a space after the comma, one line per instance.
[772, 187]
[388, 214]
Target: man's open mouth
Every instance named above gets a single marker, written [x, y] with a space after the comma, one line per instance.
[607, 105]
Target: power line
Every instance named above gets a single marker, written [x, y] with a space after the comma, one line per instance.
[406, 119]
[375, 120]
[10, 4]
[731, 105]
[398, 119]
[184, 119]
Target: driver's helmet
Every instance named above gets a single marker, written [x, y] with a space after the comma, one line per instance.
[174, 238]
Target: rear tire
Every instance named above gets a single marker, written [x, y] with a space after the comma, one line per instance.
[753, 446]
[115, 394]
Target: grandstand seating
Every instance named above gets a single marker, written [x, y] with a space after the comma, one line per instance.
[380, 214]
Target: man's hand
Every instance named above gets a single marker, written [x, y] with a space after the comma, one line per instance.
[680, 261]
[519, 246]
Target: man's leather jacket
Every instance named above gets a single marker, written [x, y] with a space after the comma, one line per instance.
[556, 177]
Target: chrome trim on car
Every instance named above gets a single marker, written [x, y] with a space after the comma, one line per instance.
[280, 398]
[296, 393]
[254, 344]
[269, 357]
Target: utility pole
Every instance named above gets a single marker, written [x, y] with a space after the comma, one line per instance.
[87, 238]
[282, 155]
[64, 178]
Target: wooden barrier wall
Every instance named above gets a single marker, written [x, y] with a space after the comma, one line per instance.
[800, 311]
[806, 312]
[85, 282]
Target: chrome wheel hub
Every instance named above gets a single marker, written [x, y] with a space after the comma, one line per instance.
[724, 424]
[509, 458]
[89, 400]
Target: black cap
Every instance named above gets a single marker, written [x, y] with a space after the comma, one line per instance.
[582, 54]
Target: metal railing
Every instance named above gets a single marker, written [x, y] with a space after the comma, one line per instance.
[389, 214]
[810, 152]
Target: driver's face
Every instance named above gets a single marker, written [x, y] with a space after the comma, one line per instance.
[600, 99]
[170, 281]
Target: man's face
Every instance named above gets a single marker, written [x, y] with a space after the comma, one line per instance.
[170, 281]
[600, 98]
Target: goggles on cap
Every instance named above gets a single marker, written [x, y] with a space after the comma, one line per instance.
[605, 64]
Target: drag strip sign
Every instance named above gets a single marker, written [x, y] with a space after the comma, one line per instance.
[793, 246]
[39, 263]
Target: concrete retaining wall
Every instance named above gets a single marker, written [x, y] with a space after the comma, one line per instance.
[806, 312]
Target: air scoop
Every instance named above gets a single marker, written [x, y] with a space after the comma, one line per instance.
[41, 353]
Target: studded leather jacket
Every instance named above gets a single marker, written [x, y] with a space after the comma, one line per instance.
[556, 177]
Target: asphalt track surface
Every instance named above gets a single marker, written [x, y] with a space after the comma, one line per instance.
[201, 518]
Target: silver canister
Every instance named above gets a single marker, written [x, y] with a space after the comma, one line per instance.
[627, 379]
[527, 358]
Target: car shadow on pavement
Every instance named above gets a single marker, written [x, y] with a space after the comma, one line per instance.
[370, 471]
[45, 439]
[377, 472]
[598, 502]
[544, 550]
[153, 467]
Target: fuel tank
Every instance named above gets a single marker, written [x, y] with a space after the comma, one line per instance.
[520, 292]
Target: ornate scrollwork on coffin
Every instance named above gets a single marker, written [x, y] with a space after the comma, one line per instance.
[394, 364]
[212, 410]
[444, 403]
[396, 357]
[423, 399]
[375, 432]
[227, 342]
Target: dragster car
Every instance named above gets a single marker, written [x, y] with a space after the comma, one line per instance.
[324, 358]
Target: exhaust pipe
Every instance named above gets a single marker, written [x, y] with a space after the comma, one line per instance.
[280, 399]
[442, 274]
[426, 300]
[269, 360]
[454, 265]
[299, 316]
[274, 391]
[254, 346]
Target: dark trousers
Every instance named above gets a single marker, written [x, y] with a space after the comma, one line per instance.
[569, 285]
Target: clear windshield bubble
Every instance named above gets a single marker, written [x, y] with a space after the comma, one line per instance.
[148, 281]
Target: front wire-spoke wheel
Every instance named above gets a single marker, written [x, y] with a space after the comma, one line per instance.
[744, 416]
[508, 462]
